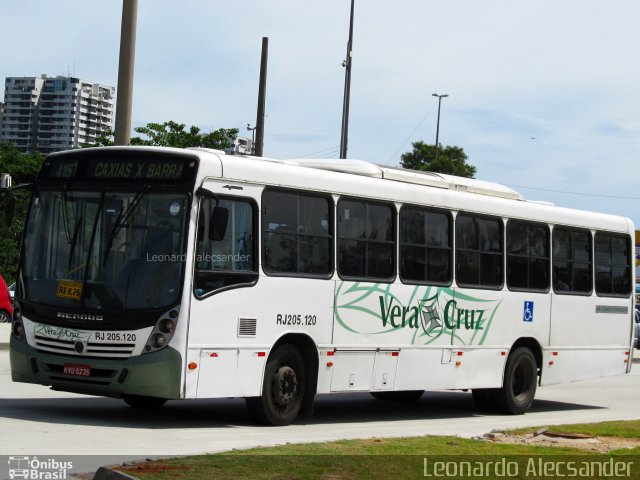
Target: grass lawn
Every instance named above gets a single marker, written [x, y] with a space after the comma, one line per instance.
[404, 458]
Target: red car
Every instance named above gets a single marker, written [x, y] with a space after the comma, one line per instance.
[5, 302]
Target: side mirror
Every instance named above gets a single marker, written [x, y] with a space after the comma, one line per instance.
[5, 181]
[218, 223]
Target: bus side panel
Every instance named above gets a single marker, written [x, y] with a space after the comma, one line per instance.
[389, 315]
[580, 321]
[589, 338]
[443, 338]
[497, 318]
[431, 369]
[581, 364]
[232, 332]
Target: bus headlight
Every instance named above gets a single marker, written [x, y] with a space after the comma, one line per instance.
[17, 328]
[163, 331]
[167, 325]
[159, 340]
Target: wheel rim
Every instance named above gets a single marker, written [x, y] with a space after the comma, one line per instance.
[285, 386]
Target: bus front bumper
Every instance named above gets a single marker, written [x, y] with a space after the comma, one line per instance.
[155, 374]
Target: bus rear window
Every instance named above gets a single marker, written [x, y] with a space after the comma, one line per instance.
[612, 262]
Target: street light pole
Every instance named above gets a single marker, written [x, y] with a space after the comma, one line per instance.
[440, 97]
[344, 136]
[258, 147]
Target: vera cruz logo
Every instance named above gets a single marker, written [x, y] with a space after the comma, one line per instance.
[428, 318]
[425, 313]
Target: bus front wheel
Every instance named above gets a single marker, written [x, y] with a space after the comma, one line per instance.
[282, 388]
[520, 382]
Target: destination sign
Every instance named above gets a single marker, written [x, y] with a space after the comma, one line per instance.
[65, 168]
[137, 168]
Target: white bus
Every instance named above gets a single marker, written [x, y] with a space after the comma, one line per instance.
[151, 274]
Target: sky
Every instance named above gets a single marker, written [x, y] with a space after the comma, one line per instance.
[543, 95]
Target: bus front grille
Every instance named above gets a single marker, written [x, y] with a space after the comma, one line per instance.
[91, 349]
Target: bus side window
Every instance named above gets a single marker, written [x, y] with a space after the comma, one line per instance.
[230, 260]
[426, 254]
[366, 240]
[528, 256]
[297, 234]
[572, 261]
[479, 251]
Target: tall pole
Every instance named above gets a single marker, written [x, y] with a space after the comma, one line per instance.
[124, 100]
[440, 97]
[262, 93]
[344, 139]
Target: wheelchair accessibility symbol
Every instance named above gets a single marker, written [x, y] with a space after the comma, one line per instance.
[528, 312]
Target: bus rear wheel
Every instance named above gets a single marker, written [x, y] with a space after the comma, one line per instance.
[520, 382]
[282, 388]
[142, 402]
[406, 396]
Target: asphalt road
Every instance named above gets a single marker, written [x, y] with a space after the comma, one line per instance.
[37, 421]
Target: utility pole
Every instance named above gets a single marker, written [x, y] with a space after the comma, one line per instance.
[440, 97]
[124, 100]
[344, 139]
[262, 93]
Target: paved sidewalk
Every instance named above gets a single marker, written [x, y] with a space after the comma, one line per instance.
[5, 332]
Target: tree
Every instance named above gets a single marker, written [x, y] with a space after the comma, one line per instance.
[451, 160]
[23, 169]
[173, 134]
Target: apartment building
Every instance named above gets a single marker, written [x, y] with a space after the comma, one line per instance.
[47, 114]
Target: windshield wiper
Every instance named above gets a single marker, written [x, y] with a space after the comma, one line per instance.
[74, 241]
[123, 217]
[65, 214]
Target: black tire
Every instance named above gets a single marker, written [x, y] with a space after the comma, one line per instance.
[482, 397]
[282, 388]
[4, 316]
[142, 402]
[406, 396]
[520, 382]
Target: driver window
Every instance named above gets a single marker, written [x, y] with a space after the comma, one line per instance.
[229, 260]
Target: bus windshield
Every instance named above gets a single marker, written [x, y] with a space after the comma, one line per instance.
[105, 250]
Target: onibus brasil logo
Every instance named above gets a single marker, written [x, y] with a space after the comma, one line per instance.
[426, 313]
[32, 468]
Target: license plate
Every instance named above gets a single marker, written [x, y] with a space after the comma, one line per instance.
[76, 370]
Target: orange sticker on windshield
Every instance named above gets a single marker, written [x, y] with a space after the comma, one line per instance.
[69, 289]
